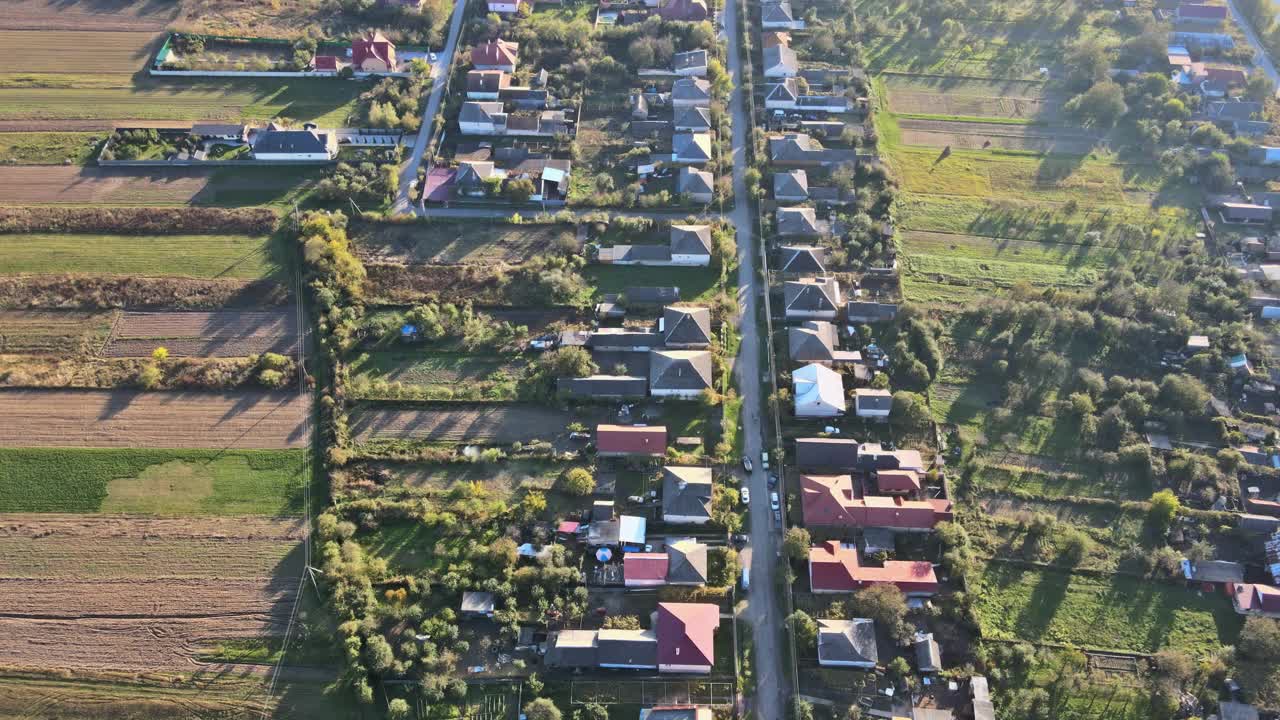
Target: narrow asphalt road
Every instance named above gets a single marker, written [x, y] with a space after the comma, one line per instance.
[1260, 51]
[444, 59]
[762, 612]
[503, 212]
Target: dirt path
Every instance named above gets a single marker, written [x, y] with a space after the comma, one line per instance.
[127, 418]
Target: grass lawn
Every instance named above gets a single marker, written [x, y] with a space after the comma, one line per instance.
[201, 256]
[48, 148]
[418, 367]
[473, 241]
[152, 482]
[695, 283]
[1110, 613]
[992, 262]
[325, 102]
[1082, 481]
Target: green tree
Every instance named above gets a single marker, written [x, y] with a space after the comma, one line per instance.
[542, 709]
[519, 191]
[149, 376]
[801, 709]
[804, 628]
[398, 709]
[578, 481]
[1164, 508]
[1183, 393]
[378, 653]
[910, 411]
[1259, 86]
[796, 543]
[1100, 106]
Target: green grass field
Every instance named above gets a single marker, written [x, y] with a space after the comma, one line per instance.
[113, 97]
[695, 283]
[152, 482]
[1083, 481]
[48, 148]
[1116, 613]
[968, 259]
[201, 256]
[418, 367]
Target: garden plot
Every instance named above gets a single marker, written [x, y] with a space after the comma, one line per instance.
[921, 95]
[224, 333]
[135, 594]
[53, 332]
[472, 242]
[999, 262]
[1002, 136]
[126, 418]
[482, 424]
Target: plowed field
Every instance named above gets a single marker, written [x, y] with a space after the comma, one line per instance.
[87, 186]
[497, 424]
[139, 594]
[125, 418]
[205, 334]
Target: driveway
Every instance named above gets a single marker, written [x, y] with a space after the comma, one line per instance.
[763, 613]
[439, 73]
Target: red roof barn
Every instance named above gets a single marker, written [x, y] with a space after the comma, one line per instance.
[686, 636]
[835, 568]
[649, 440]
[326, 62]
[643, 569]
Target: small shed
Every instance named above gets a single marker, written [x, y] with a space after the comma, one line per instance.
[477, 604]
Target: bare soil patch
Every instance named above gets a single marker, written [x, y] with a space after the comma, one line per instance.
[223, 333]
[85, 186]
[128, 418]
[976, 136]
[100, 15]
[136, 292]
[395, 283]
[483, 424]
[140, 594]
[456, 243]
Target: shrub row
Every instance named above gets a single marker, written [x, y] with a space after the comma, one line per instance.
[138, 221]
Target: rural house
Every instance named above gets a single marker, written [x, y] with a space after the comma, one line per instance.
[631, 441]
[872, 456]
[676, 712]
[692, 118]
[873, 404]
[697, 185]
[691, 148]
[1202, 14]
[690, 64]
[687, 92]
[684, 10]
[681, 374]
[496, 55]
[826, 454]
[792, 186]
[689, 245]
[486, 84]
[623, 339]
[811, 299]
[685, 327]
[870, 312]
[683, 562]
[373, 53]
[802, 260]
[783, 95]
[799, 222]
[847, 643]
[603, 387]
[280, 144]
[686, 637]
[1256, 599]
[800, 150]
[777, 15]
[477, 604]
[814, 341]
[686, 495]
[828, 500]
[834, 567]
[818, 391]
[780, 62]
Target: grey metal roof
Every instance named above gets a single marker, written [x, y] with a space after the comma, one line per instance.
[572, 648]
[928, 654]
[686, 325]
[691, 146]
[803, 259]
[785, 91]
[867, 399]
[809, 296]
[691, 239]
[479, 111]
[780, 56]
[686, 491]
[812, 342]
[477, 602]
[604, 386]
[826, 453]
[871, 311]
[291, 141]
[686, 561]
[627, 647]
[847, 640]
[797, 221]
[693, 116]
[691, 59]
[694, 181]
[651, 295]
[691, 89]
[679, 369]
[774, 12]
[791, 184]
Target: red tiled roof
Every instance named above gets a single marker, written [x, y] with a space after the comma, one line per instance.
[495, 52]
[644, 566]
[1264, 507]
[897, 480]
[775, 38]
[829, 500]
[686, 633]
[649, 440]
[568, 527]
[834, 567]
[1202, 12]
[373, 45]
[1251, 597]
[1230, 76]
[326, 62]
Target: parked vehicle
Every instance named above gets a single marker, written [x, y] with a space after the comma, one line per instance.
[764, 460]
[746, 496]
[746, 463]
[739, 540]
[746, 578]
[773, 480]
[773, 501]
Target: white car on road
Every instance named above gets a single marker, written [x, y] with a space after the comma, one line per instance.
[746, 496]
[773, 500]
[746, 463]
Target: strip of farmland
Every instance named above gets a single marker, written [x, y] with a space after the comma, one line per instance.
[126, 418]
[496, 424]
[205, 334]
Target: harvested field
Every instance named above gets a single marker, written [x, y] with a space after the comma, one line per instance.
[226, 333]
[51, 332]
[404, 284]
[1001, 136]
[126, 418]
[78, 51]
[197, 256]
[69, 185]
[453, 243]
[82, 186]
[135, 292]
[48, 148]
[128, 593]
[115, 15]
[481, 424]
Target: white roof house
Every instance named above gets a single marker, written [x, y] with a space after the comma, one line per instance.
[819, 391]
